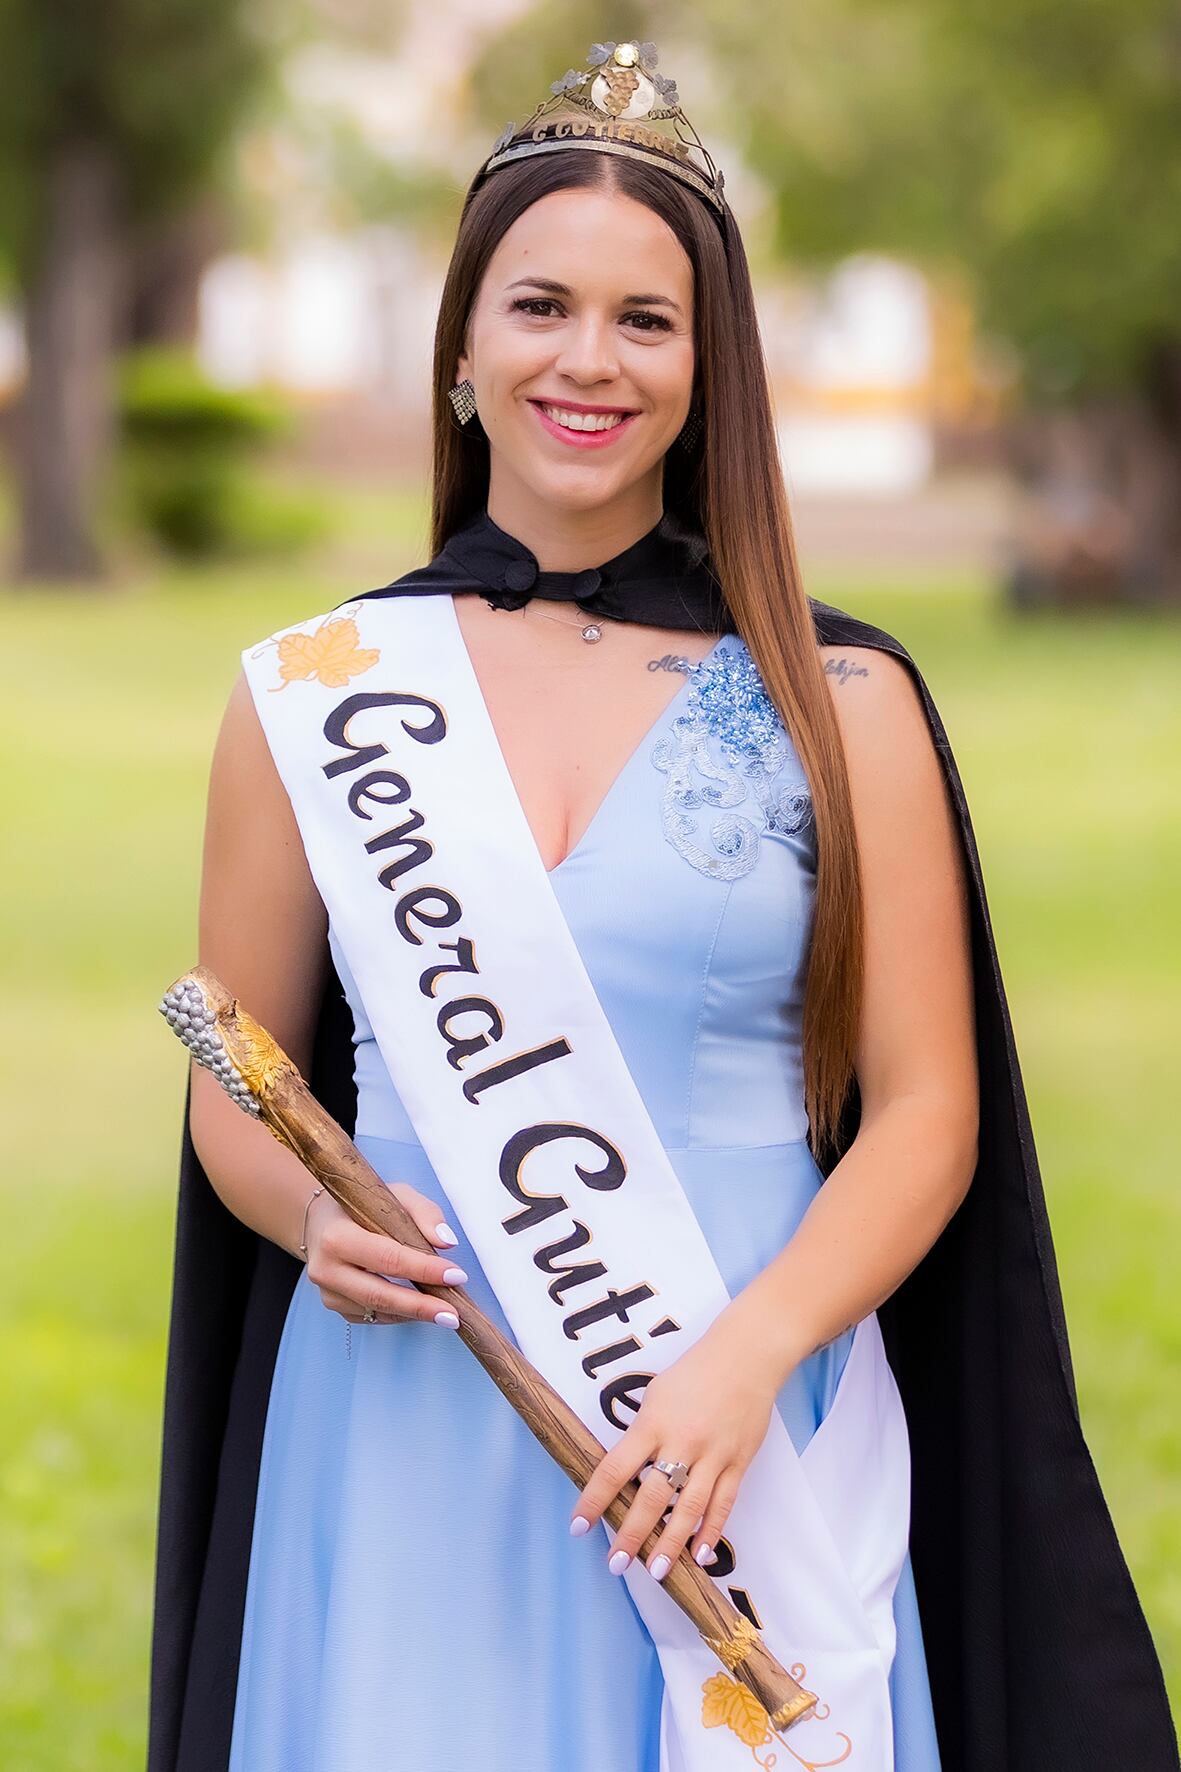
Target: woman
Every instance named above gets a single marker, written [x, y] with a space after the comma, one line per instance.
[742, 808]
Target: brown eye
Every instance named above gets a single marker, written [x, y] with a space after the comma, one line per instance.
[534, 301]
[530, 304]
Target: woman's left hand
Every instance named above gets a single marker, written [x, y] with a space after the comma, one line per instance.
[710, 1410]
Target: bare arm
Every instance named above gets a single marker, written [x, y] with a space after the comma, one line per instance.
[914, 1155]
[263, 930]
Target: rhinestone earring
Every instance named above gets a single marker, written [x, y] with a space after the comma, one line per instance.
[463, 400]
[690, 431]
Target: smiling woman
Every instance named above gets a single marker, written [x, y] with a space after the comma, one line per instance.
[601, 369]
[680, 1001]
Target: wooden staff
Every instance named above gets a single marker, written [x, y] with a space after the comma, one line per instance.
[259, 1076]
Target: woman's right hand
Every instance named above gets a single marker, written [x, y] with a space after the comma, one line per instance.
[348, 1263]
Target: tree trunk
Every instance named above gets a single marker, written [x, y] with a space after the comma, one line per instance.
[64, 427]
[1161, 380]
[167, 263]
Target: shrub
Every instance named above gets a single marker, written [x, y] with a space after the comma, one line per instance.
[187, 458]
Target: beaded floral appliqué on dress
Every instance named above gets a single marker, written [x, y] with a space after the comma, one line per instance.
[727, 748]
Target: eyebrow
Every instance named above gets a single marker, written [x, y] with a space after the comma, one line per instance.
[662, 301]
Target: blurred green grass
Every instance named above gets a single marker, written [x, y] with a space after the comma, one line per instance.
[1067, 732]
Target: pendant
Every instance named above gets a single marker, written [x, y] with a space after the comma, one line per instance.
[592, 632]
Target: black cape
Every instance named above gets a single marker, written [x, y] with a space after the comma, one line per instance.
[1039, 1654]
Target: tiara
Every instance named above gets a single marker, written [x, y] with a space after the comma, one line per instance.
[611, 106]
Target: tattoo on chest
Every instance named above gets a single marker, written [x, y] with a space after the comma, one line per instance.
[844, 668]
[841, 668]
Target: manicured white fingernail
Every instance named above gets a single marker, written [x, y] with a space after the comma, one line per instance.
[618, 1562]
[705, 1554]
[444, 1234]
[454, 1276]
[578, 1526]
[447, 1318]
[660, 1566]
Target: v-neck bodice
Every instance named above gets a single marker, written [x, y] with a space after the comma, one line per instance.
[639, 754]
[670, 711]
[690, 898]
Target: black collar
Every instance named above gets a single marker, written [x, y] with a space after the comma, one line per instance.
[663, 580]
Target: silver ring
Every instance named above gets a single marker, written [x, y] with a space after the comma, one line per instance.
[370, 1314]
[677, 1474]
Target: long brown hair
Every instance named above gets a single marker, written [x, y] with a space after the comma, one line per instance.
[731, 490]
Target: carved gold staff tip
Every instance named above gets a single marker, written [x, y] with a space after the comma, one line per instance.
[194, 1020]
[201, 1013]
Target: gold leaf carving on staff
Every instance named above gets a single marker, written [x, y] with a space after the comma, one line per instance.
[736, 1647]
[259, 1058]
[333, 654]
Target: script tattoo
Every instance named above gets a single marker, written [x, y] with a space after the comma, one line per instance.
[844, 668]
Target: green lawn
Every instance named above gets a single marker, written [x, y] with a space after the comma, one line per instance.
[1068, 734]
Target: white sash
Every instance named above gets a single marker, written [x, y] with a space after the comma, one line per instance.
[509, 1070]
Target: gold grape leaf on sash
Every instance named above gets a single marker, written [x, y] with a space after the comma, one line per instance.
[729, 1702]
[333, 654]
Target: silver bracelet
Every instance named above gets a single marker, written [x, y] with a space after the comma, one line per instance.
[303, 1247]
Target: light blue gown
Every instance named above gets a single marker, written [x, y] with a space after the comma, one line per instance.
[415, 1601]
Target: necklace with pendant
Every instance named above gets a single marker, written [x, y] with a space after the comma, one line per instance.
[590, 631]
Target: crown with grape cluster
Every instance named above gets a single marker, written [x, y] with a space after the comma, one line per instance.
[616, 105]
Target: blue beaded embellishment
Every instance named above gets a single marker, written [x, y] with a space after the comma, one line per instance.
[728, 746]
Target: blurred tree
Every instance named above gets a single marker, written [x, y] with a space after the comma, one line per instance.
[112, 117]
[369, 188]
[1038, 147]
[1031, 149]
[165, 270]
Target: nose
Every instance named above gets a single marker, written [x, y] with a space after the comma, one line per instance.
[589, 353]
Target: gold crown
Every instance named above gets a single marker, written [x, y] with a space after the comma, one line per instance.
[611, 106]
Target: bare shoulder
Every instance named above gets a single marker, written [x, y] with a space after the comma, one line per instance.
[241, 733]
[868, 683]
[242, 762]
[248, 805]
[262, 923]
[902, 806]
[883, 722]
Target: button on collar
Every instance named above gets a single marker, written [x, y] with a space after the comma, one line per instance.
[586, 584]
[521, 575]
